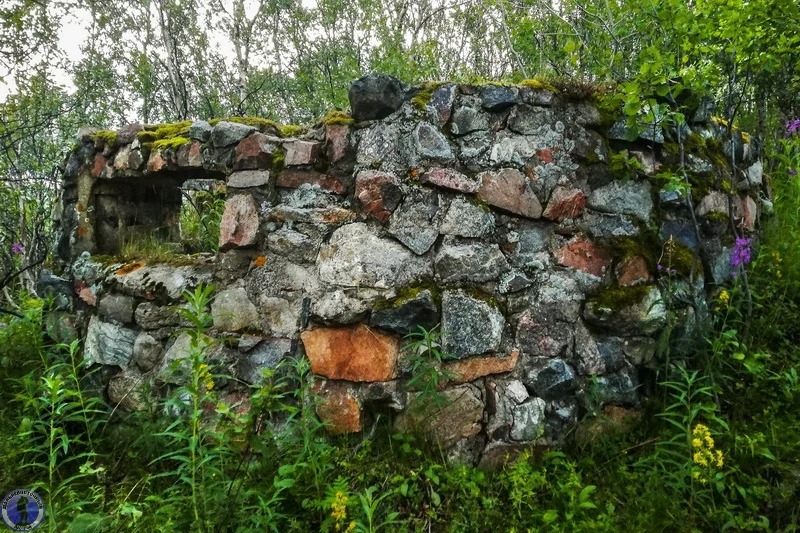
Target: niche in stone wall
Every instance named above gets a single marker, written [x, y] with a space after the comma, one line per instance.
[171, 212]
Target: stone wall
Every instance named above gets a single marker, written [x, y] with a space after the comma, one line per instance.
[519, 218]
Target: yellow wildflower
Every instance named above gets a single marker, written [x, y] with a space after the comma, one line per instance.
[700, 458]
[697, 443]
[724, 299]
[719, 458]
[339, 507]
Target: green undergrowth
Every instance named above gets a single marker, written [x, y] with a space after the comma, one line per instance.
[153, 250]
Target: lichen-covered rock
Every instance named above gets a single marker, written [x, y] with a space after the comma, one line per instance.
[594, 357]
[353, 354]
[498, 97]
[509, 189]
[125, 390]
[356, 257]
[151, 316]
[339, 307]
[147, 352]
[502, 396]
[228, 133]
[200, 130]
[416, 222]
[468, 119]
[379, 193]
[621, 388]
[232, 310]
[289, 243]
[514, 281]
[631, 198]
[460, 417]
[108, 343]
[431, 145]
[116, 307]
[375, 96]
[541, 334]
[529, 418]
[551, 379]
[604, 225]
[469, 262]
[406, 314]
[527, 120]
[471, 326]
[466, 219]
[379, 145]
[281, 316]
[240, 224]
[266, 355]
[248, 178]
[448, 178]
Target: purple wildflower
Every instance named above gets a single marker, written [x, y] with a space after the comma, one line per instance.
[792, 126]
[17, 248]
[662, 268]
[792, 172]
[740, 255]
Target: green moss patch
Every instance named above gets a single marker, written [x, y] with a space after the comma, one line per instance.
[676, 255]
[539, 84]
[420, 101]
[615, 297]
[170, 144]
[409, 293]
[484, 297]
[624, 248]
[107, 136]
[264, 125]
[159, 132]
[291, 130]
[337, 117]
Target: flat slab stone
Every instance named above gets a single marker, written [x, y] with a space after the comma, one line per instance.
[248, 178]
[631, 198]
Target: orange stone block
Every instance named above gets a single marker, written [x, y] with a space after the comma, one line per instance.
[583, 255]
[338, 409]
[477, 367]
[354, 354]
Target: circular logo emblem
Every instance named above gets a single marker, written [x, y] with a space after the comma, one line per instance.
[22, 510]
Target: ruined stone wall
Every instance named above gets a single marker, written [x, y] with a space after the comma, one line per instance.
[519, 218]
